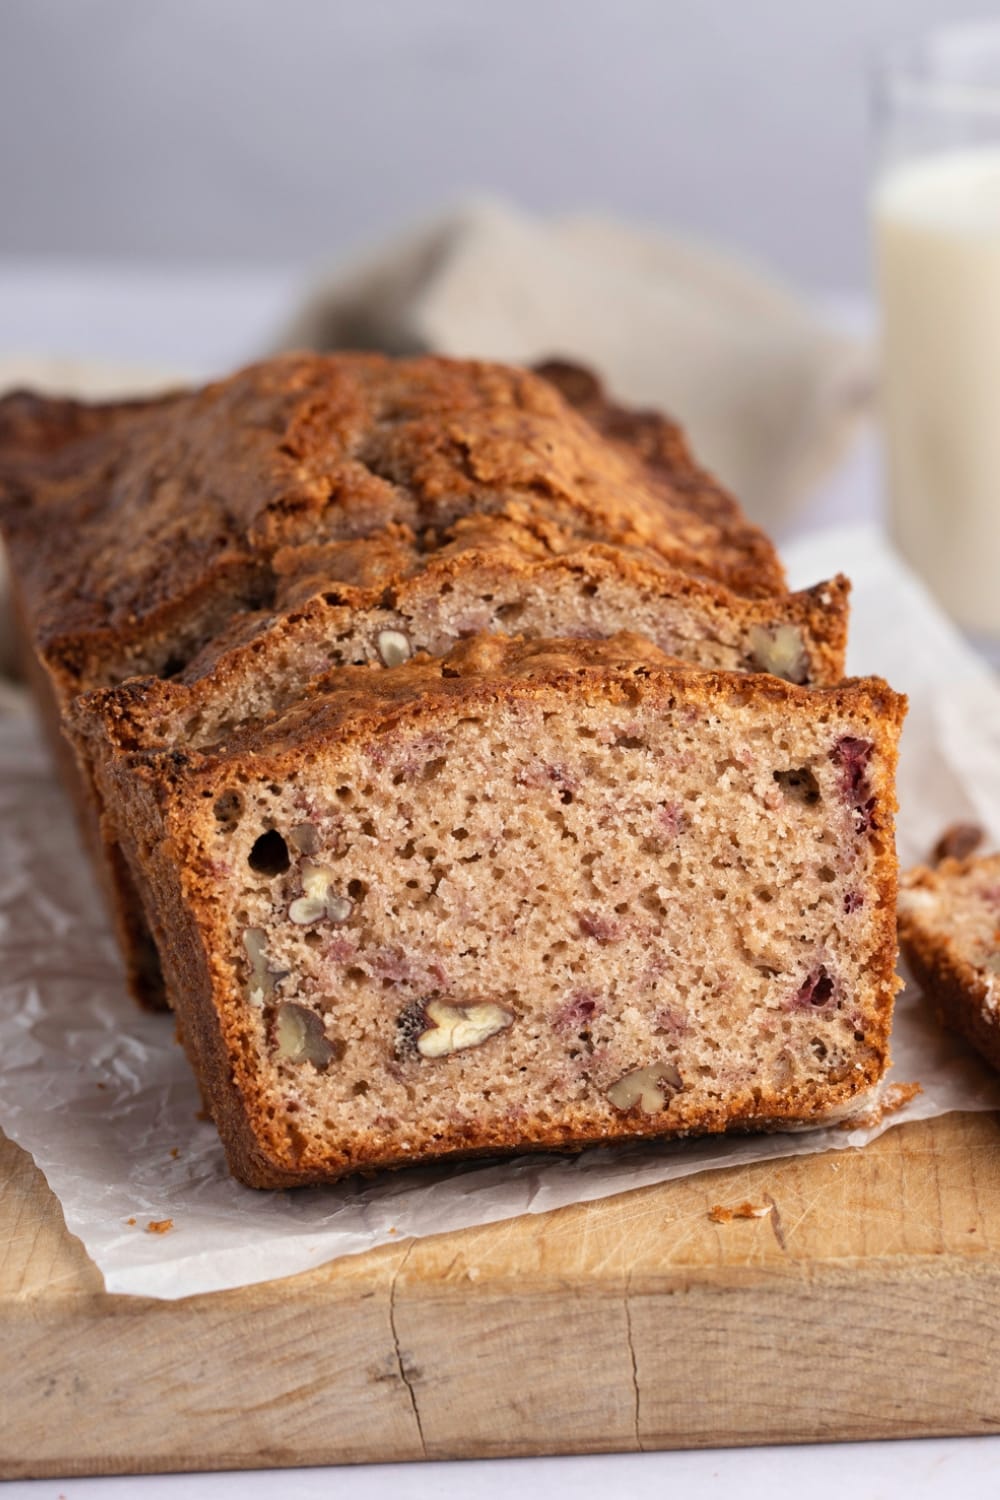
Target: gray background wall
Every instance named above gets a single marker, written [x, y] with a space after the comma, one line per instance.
[292, 130]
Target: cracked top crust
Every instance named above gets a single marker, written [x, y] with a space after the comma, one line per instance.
[140, 530]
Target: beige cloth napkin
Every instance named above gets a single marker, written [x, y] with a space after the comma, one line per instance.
[769, 395]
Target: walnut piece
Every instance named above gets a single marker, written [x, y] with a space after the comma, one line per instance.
[457, 1027]
[263, 979]
[305, 838]
[651, 1088]
[780, 650]
[299, 1036]
[957, 842]
[393, 647]
[317, 899]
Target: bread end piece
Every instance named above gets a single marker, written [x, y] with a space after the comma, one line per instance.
[949, 931]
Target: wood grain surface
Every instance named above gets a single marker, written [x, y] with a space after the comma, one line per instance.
[864, 1303]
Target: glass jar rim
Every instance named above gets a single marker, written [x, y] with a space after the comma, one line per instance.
[952, 68]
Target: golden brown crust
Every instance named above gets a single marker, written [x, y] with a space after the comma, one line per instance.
[963, 994]
[163, 791]
[661, 446]
[187, 509]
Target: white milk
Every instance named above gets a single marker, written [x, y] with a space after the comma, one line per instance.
[937, 226]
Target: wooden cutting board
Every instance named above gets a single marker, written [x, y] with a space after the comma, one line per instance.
[865, 1303]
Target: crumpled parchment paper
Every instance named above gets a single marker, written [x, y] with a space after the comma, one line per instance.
[100, 1093]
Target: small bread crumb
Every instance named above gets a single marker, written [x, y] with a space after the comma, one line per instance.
[722, 1215]
[159, 1226]
[175, 1152]
[130, 1221]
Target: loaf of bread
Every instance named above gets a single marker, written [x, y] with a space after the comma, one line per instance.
[528, 894]
[949, 931]
[313, 511]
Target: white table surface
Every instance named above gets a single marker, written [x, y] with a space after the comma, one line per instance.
[206, 322]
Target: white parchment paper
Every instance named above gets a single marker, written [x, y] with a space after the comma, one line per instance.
[100, 1093]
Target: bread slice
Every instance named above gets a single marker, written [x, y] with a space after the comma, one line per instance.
[949, 931]
[529, 894]
[316, 511]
